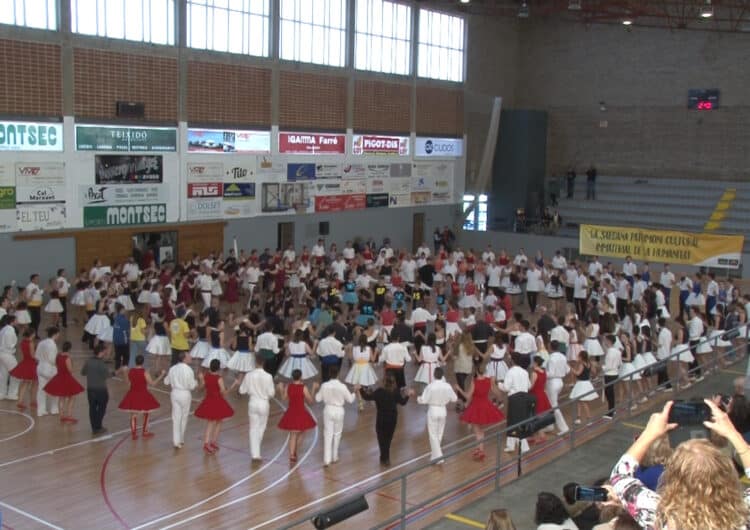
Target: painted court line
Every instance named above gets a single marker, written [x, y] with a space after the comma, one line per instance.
[465, 520]
[30, 516]
[27, 429]
[633, 425]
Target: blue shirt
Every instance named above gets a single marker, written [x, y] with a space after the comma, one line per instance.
[121, 330]
[649, 475]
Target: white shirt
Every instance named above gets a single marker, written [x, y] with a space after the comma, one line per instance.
[520, 260]
[348, 252]
[595, 267]
[318, 251]
[557, 366]
[638, 289]
[62, 285]
[33, 293]
[567, 524]
[131, 271]
[686, 284]
[516, 380]
[339, 267]
[205, 282]
[534, 282]
[559, 262]
[664, 344]
[525, 343]
[423, 250]
[570, 276]
[488, 256]
[267, 341]
[580, 286]
[9, 339]
[437, 394]
[623, 289]
[181, 377]
[612, 361]
[667, 279]
[493, 275]
[408, 268]
[629, 268]
[712, 289]
[334, 394]
[419, 316]
[695, 328]
[252, 274]
[258, 384]
[289, 255]
[560, 334]
[330, 346]
[394, 354]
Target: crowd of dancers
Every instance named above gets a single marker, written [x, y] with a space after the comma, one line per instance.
[342, 327]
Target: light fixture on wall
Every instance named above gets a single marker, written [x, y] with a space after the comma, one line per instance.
[603, 106]
[465, 1]
[707, 11]
[523, 10]
[574, 5]
[627, 21]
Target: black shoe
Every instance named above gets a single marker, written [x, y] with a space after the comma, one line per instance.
[97, 432]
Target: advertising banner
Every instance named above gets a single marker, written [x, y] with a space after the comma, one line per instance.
[7, 176]
[40, 174]
[228, 141]
[293, 143]
[326, 188]
[129, 169]
[134, 214]
[400, 170]
[270, 166]
[398, 200]
[328, 171]
[377, 186]
[400, 185]
[238, 174]
[371, 144]
[202, 172]
[232, 209]
[8, 221]
[40, 216]
[422, 183]
[355, 171]
[286, 197]
[120, 138]
[354, 186]
[378, 170]
[340, 203]
[295, 172]
[377, 200]
[122, 195]
[421, 197]
[204, 189]
[7, 198]
[204, 209]
[31, 136]
[708, 250]
[239, 191]
[438, 147]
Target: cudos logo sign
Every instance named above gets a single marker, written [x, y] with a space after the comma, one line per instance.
[428, 147]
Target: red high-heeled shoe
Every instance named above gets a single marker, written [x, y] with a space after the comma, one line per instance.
[20, 406]
[214, 446]
[148, 434]
[207, 448]
[479, 456]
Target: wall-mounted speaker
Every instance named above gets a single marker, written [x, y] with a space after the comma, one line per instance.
[129, 109]
[323, 228]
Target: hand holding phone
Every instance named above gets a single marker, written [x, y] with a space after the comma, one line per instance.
[591, 494]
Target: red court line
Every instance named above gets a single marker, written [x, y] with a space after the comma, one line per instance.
[103, 481]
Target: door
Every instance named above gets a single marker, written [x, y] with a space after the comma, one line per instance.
[417, 236]
[285, 235]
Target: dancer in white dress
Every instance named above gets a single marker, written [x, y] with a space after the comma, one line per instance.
[299, 353]
[591, 345]
[54, 306]
[160, 346]
[361, 373]
[496, 365]
[583, 391]
[242, 360]
[430, 357]
[201, 347]
[217, 351]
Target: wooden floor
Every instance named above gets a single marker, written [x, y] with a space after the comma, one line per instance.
[55, 476]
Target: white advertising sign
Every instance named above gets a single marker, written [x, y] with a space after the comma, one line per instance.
[40, 174]
[205, 172]
[122, 195]
[31, 136]
[439, 147]
[204, 208]
[40, 216]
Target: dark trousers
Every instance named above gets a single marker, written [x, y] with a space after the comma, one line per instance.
[64, 314]
[398, 373]
[580, 304]
[384, 429]
[667, 293]
[662, 377]
[122, 355]
[621, 307]
[35, 313]
[590, 189]
[174, 358]
[694, 366]
[569, 294]
[609, 393]
[325, 369]
[532, 298]
[571, 185]
[461, 380]
[98, 398]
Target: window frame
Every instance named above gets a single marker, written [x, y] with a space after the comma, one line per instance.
[477, 220]
[246, 42]
[368, 37]
[102, 25]
[298, 23]
[420, 47]
[52, 20]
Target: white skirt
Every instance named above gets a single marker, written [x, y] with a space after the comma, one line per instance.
[159, 345]
[200, 350]
[684, 353]
[304, 364]
[126, 302]
[469, 301]
[496, 368]
[216, 353]
[649, 358]
[79, 298]
[704, 346]
[106, 335]
[695, 300]
[584, 391]
[361, 374]
[629, 371]
[23, 317]
[143, 297]
[593, 348]
[242, 361]
[452, 328]
[97, 324]
[718, 341]
[53, 306]
[425, 373]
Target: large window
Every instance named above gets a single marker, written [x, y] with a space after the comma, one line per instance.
[477, 218]
[40, 14]
[313, 31]
[236, 26]
[383, 37]
[138, 20]
[441, 46]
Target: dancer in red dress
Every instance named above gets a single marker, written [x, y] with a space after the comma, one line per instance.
[538, 384]
[138, 399]
[214, 407]
[64, 385]
[26, 370]
[480, 411]
[296, 419]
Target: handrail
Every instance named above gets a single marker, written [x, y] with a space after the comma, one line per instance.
[402, 478]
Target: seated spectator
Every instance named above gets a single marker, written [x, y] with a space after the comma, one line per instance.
[616, 518]
[652, 465]
[698, 489]
[585, 514]
[500, 520]
[739, 414]
[551, 513]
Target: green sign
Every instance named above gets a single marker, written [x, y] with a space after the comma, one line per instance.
[7, 198]
[116, 138]
[140, 214]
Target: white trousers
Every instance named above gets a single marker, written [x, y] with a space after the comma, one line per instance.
[43, 398]
[511, 441]
[435, 429]
[553, 388]
[333, 426]
[181, 400]
[257, 412]
[8, 383]
[206, 299]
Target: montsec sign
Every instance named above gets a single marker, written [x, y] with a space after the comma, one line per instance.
[141, 214]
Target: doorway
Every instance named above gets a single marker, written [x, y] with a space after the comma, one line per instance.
[284, 235]
[417, 235]
[158, 248]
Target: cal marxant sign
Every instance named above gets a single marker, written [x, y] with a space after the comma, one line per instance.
[439, 147]
[137, 214]
[119, 138]
[293, 143]
[129, 169]
[370, 144]
[30, 136]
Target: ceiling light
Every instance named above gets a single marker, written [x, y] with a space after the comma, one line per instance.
[707, 11]
[574, 5]
[627, 21]
[523, 11]
[465, 1]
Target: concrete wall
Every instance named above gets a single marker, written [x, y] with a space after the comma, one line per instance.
[643, 76]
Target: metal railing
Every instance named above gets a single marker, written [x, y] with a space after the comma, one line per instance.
[500, 467]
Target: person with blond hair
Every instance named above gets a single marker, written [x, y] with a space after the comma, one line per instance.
[699, 489]
[500, 520]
